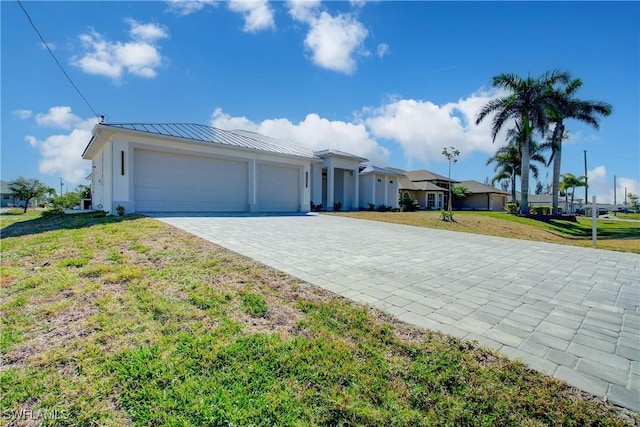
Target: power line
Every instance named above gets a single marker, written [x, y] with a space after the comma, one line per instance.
[56, 59]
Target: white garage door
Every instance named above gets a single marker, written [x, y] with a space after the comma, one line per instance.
[165, 182]
[278, 189]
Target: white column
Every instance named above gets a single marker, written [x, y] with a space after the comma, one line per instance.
[386, 190]
[356, 197]
[253, 186]
[373, 189]
[330, 187]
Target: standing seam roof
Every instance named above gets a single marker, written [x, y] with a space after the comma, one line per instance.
[215, 136]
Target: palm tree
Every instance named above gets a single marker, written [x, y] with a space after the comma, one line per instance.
[508, 159]
[570, 181]
[460, 192]
[568, 107]
[528, 103]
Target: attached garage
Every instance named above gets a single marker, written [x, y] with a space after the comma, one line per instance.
[278, 188]
[183, 167]
[168, 182]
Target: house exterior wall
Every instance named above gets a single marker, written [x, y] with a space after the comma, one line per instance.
[114, 166]
[366, 191]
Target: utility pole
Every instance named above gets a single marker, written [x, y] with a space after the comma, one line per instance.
[615, 201]
[586, 182]
[61, 184]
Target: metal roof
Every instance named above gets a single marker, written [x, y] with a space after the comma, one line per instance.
[381, 171]
[237, 138]
[338, 153]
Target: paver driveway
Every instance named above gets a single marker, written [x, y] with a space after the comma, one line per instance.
[570, 312]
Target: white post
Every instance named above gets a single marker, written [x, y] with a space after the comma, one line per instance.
[594, 222]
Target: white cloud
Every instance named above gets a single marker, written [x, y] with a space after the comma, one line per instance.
[601, 186]
[187, 7]
[58, 117]
[333, 41]
[257, 14]
[313, 132]
[23, 114]
[383, 50]
[303, 10]
[139, 56]
[61, 155]
[423, 128]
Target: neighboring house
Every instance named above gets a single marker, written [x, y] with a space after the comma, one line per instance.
[8, 201]
[195, 168]
[430, 190]
[483, 197]
[547, 200]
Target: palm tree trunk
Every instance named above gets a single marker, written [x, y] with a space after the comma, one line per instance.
[513, 187]
[558, 133]
[524, 178]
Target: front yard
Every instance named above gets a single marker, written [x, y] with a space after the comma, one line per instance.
[613, 234]
[128, 321]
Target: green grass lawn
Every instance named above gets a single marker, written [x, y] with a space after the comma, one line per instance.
[128, 321]
[581, 228]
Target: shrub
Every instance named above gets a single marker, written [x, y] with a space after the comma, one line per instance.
[408, 202]
[337, 206]
[120, 210]
[446, 215]
[511, 208]
[546, 210]
[372, 207]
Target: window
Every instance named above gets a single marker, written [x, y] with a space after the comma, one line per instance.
[390, 182]
[379, 180]
[122, 163]
[306, 180]
[431, 200]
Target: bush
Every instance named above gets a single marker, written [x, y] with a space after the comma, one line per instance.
[546, 210]
[408, 202]
[120, 210]
[337, 206]
[372, 207]
[446, 215]
[511, 208]
[67, 201]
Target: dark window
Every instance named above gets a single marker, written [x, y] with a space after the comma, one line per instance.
[306, 180]
[379, 180]
[122, 163]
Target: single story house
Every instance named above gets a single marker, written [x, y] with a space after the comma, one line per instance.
[547, 200]
[183, 167]
[431, 191]
[483, 197]
[8, 200]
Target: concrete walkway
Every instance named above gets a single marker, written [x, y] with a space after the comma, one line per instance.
[570, 312]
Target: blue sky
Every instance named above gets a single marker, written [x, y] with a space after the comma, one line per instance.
[394, 82]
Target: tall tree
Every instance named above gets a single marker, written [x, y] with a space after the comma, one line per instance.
[566, 106]
[508, 160]
[527, 102]
[27, 189]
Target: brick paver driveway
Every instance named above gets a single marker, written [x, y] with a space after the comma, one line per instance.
[570, 312]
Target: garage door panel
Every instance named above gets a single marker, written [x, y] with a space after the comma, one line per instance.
[179, 183]
[278, 188]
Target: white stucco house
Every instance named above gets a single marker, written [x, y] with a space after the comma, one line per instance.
[178, 167]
